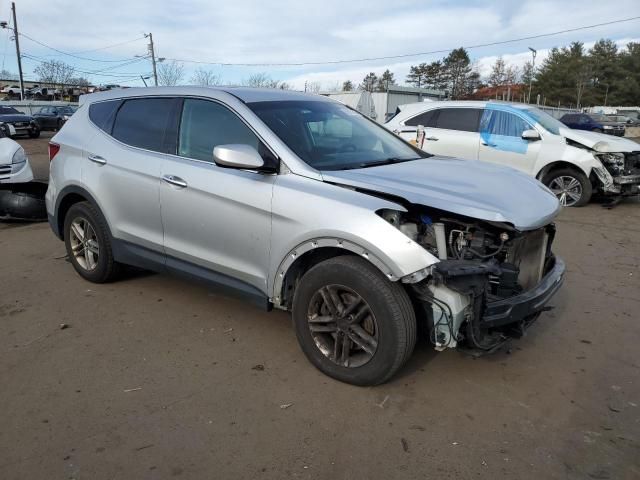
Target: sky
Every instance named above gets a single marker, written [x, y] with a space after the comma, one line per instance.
[290, 31]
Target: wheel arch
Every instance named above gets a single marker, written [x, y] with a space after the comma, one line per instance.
[308, 254]
[68, 197]
[560, 164]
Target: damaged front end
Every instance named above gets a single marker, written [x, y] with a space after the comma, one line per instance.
[620, 173]
[492, 280]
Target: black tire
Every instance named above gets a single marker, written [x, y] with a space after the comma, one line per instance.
[106, 268]
[392, 314]
[58, 125]
[552, 180]
[34, 134]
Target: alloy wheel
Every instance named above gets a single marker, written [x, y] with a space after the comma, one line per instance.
[84, 243]
[567, 189]
[343, 326]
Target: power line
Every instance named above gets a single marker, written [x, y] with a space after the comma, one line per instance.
[406, 55]
[86, 72]
[22, 34]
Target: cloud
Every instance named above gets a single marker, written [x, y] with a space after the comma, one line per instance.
[245, 31]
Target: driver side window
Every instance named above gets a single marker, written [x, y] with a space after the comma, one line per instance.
[506, 124]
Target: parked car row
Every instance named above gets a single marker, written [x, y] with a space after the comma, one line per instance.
[15, 123]
[594, 122]
[572, 163]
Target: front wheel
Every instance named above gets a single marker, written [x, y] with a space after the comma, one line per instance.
[34, 133]
[572, 188]
[352, 323]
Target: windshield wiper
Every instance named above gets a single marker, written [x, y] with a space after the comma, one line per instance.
[386, 161]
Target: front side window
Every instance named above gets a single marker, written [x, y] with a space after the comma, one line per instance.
[142, 122]
[426, 119]
[206, 124]
[8, 111]
[330, 136]
[506, 124]
[461, 119]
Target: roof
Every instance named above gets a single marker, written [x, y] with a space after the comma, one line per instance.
[420, 106]
[245, 94]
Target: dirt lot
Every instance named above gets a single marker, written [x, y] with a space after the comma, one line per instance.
[156, 378]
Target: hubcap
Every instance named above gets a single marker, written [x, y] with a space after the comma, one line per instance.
[343, 326]
[567, 189]
[84, 243]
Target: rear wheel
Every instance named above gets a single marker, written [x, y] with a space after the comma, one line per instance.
[88, 244]
[352, 323]
[34, 133]
[572, 188]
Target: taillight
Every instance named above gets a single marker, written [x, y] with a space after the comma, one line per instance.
[54, 148]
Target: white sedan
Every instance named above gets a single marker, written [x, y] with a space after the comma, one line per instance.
[14, 164]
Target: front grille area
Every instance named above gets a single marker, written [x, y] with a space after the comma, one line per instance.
[632, 163]
[5, 169]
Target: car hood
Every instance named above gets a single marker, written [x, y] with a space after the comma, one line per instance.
[600, 142]
[474, 189]
[15, 118]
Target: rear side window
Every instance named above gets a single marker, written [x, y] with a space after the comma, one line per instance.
[205, 125]
[142, 122]
[103, 113]
[426, 119]
[461, 119]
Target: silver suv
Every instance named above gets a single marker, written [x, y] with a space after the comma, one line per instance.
[300, 203]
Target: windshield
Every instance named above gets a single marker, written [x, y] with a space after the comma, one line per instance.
[547, 122]
[599, 118]
[331, 136]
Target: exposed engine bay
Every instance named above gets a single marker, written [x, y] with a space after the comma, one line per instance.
[482, 265]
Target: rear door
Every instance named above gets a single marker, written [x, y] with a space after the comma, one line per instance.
[455, 133]
[217, 221]
[501, 140]
[122, 168]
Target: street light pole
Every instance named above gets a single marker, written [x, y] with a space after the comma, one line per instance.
[534, 52]
[17, 40]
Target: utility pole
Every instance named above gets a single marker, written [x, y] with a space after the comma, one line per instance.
[153, 57]
[15, 36]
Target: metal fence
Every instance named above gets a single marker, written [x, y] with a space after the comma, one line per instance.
[32, 106]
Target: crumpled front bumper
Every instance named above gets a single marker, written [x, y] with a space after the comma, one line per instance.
[520, 307]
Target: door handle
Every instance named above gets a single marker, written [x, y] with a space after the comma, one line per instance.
[173, 180]
[96, 159]
[432, 139]
[488, 144]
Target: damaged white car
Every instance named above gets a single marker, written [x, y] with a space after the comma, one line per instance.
[14, 164]
[300, 203]
[574, 164]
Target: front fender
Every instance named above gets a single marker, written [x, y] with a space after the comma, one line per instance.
[309, 214]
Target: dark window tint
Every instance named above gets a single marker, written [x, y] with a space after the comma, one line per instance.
[8, 111]
[568, 118]
[142, 122]
[103, 113]
[205, 125]
[426, 119]
[462, 119]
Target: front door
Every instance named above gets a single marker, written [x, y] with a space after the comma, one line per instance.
[501, 141]
[216, 219]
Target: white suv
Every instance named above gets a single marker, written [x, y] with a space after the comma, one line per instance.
[572, 163]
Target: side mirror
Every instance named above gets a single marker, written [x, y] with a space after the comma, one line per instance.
[530, 135]
[237, 156]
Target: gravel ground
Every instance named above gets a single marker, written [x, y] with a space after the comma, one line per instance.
[157, 378]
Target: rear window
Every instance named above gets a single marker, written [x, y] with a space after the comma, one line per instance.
[103, 113]
[426, 119]
[461, 119]
[142, 122]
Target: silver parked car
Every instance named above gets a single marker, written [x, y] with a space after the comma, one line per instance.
[300, 203]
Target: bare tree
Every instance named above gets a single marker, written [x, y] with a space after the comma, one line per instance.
[263, 80]
[313, 87]
[54, 73]
[205, 78]
[170, 73]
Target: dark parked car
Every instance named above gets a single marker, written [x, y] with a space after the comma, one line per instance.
[52, 118]
[625, 120]
[593, 122]
[19, 123]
